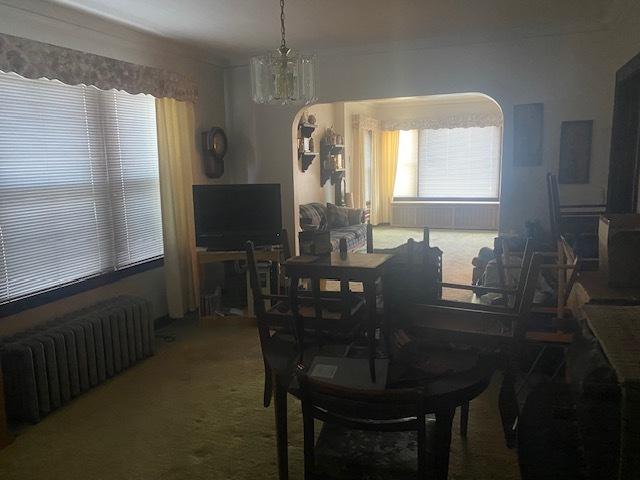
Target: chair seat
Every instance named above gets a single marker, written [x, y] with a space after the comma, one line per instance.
[345, 454]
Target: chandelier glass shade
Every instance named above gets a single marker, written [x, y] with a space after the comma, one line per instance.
[284, 76]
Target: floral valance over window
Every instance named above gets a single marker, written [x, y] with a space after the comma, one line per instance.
[445, 121]
[32, 59]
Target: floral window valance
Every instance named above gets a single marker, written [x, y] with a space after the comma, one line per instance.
[32, 59]
[365, 123]
[446, 121]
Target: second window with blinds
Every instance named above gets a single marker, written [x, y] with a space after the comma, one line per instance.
[460, 164]
[79, 187]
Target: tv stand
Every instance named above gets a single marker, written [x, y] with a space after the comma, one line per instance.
[274, 255]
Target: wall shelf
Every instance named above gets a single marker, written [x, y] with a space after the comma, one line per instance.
[305, 129]
[306, 159]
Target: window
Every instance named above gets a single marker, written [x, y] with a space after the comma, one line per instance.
[449, 163]
[79, 188]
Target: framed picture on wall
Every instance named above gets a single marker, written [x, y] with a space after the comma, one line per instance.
[528, 121]
[575, 151]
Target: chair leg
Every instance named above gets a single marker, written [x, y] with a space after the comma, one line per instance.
[309, 447]
[280, 408]
[442, 446]
[422, 448]
[464, 419]
[509, 409]
[268, 386]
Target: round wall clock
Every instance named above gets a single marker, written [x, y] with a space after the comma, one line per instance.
[214, 144]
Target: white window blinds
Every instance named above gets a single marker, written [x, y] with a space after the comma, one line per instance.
[459, 163]
[79, 189]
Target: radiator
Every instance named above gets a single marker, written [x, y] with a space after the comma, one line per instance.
[462, 216]
[46, 366]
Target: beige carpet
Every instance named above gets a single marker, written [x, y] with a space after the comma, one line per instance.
[194, 411]
[458, 247]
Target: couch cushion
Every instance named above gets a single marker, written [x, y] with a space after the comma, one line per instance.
[356, 236]
[338, 216]
[313, 216]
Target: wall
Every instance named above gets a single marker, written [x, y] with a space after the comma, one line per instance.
[307, 184]
[572, 74]
[50, 23]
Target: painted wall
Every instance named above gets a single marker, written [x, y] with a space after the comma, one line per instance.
[572, 74]
[47, 22]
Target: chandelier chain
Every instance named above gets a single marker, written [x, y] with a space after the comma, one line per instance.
[283, 45]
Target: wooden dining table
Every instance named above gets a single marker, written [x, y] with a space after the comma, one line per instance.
[366, 268]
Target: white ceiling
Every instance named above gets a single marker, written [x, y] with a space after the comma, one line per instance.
[237, 28]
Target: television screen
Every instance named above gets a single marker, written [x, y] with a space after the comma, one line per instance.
[226, 216]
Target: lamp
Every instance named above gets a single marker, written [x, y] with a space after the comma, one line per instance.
[284, 76]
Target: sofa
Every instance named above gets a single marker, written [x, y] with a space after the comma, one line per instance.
[340, 222]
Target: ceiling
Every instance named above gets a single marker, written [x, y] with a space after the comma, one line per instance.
[239, 28]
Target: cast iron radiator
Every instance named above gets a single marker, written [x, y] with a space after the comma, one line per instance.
[48, 365]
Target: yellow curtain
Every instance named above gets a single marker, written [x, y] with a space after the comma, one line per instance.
[176, 153]
[384, 176]
[357, 166]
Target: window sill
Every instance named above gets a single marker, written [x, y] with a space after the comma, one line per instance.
[415, 201]
[38, 299]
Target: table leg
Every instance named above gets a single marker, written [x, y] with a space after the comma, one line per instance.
[386, 318]
[280, 408]
[297, 318]
[370, 303]
[442, 446]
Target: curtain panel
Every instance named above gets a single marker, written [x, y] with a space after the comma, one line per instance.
[176, 153]
[33, 60]
[383, 177]
[360, 125]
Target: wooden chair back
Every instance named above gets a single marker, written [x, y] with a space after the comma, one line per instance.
[558, 213]
[266, 322]
[528, 293]
[553, 195]
[514, 294]
[390, 410]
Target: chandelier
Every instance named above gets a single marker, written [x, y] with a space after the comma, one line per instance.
[284, 76]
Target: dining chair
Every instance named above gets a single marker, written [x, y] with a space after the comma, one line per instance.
[491, 330]
[283, 344]
[391, 410]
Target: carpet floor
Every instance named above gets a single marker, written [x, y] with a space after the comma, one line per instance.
[458, 249]
[193, 411]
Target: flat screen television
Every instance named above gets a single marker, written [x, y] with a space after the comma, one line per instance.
[227, 216]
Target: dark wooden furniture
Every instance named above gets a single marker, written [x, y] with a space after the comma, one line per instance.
[282, 344]
[441, 396]
[617, 329]
[332, 167]
[592, 288]
[305, 155]
[603, 366]
[486, 329]
[393, 410]
[5, 436]
[366, 268]
[578, 224]
[275, 255]
[622, 193]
